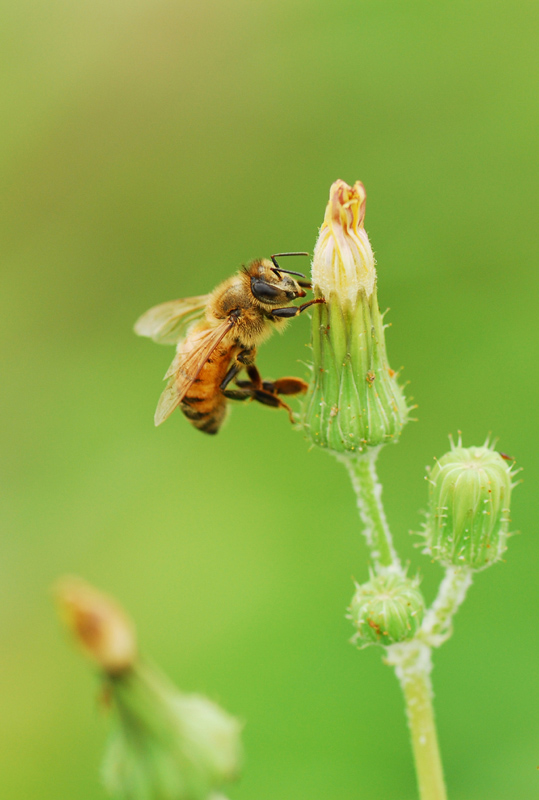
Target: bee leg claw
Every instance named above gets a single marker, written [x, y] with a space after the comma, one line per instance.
[271, 399]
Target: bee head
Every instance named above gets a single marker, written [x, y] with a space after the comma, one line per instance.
[272, 285]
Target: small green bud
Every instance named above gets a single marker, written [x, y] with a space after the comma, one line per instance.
[168, 745]
[386, 610]
[468, 512]
[354, 400]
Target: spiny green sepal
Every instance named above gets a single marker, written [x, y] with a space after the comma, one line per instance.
[354, 401]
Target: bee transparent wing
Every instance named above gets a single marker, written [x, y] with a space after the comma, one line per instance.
[188, 363]
[168, 402]
[168, 322]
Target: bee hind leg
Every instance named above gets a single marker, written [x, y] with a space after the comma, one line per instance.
[238, 394]
[281, 386]
[248, 391]
[269, 398]
[286, 386]
[267, 392]
[254, 376]
[255, 379]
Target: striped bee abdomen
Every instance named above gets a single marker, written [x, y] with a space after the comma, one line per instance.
[204, 405]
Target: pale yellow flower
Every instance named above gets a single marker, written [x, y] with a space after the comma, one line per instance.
[343, 262]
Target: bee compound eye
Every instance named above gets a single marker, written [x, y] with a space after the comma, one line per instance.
[264, 291]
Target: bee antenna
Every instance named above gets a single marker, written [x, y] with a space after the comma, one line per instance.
[280, 255]
[288, 271]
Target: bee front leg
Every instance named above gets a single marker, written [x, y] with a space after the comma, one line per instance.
[293, 311]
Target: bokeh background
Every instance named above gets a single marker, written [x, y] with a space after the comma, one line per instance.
[148, 148]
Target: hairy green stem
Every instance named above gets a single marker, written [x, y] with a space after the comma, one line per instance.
[413, 666]
[362, 471]
[412, 660]
[437, 624]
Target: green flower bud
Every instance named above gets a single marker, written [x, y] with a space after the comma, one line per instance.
[168, 745]
[354, 401]
[386, 610]
[468, 512]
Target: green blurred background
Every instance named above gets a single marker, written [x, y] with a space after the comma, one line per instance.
[148, 149]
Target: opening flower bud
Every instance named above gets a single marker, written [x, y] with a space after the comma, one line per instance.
[386, 610]
[101, 628]
[354, 401]
[468, 513]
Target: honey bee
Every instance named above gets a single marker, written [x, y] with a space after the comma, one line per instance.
[217, 336]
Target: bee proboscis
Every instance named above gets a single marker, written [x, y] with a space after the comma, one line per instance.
[217, 336]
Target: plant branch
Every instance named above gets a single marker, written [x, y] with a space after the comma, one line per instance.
[412, 662]
[437, 624]
[362, 471]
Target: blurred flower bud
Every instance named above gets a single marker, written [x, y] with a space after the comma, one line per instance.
[468, 512]
[354, 401]
[100, 626]
[168, 745]
[386, 610]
